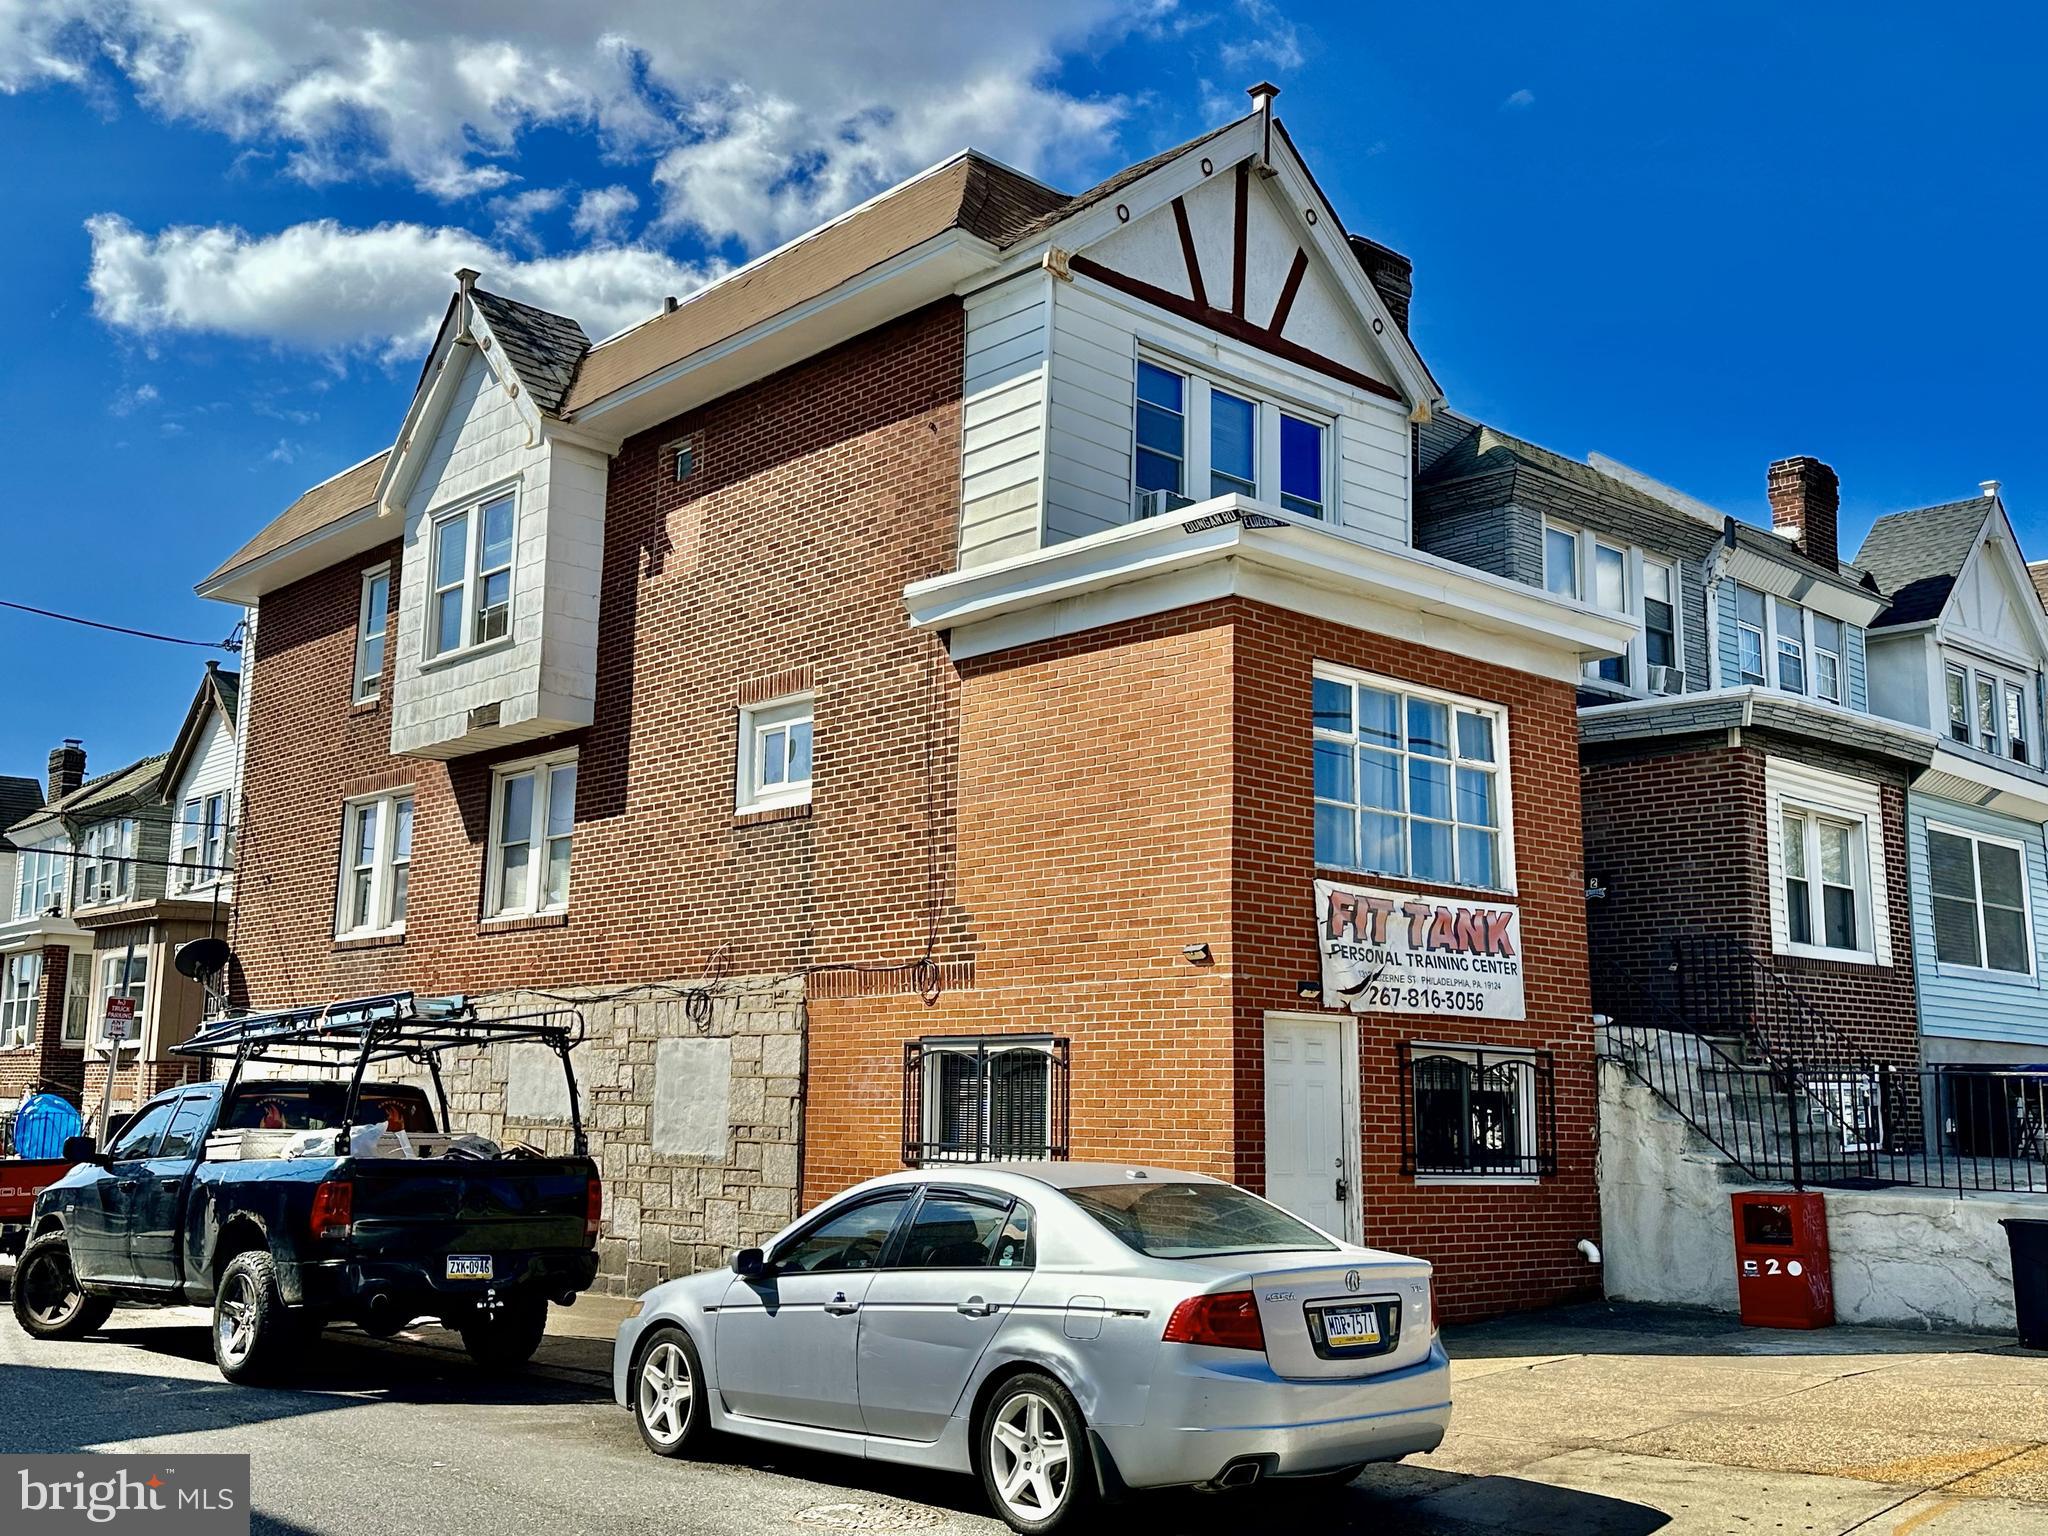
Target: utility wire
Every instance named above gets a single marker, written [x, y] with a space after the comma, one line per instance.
[232, 644]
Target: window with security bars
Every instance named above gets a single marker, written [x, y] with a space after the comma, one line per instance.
[984, 1098]
[1475, 1113]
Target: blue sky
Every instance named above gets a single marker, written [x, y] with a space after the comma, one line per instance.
[1694, 238]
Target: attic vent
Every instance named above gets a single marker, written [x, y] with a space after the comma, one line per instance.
[683, 457]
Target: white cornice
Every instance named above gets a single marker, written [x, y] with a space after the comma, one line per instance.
[1781, 578]
[1234, 546]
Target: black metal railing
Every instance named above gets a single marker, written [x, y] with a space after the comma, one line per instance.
[1971, 1130]
[1468, 1113]
[983, 1099]
[1724, 987]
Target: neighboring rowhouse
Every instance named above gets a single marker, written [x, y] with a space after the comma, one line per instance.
[1745, 810]
[960, 686]
[45, 958]
[1961, 651]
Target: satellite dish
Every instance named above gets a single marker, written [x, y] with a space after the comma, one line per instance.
[201, 958]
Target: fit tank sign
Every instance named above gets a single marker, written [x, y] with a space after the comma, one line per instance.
[1387, 951]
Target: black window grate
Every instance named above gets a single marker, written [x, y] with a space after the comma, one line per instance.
[1473, 1113]
[984, 1099]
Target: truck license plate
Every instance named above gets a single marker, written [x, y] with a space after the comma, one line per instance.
[477, 1266]
[1350, 1329]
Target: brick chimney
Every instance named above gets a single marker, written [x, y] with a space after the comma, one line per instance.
[67, 769]
[1805, 495]
[1391, 274]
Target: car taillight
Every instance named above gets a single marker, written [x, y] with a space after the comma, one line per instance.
[334, 1204]
[1228, 1320]
[593, 1208]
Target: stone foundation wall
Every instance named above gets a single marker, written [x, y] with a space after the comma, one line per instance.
[693, 1112]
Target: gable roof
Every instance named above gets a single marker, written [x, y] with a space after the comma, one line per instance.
[542, 348]
[19, 799]
[1916, 556]
[218, 691]
[107, 795]
[353, 490]
[2037, 573]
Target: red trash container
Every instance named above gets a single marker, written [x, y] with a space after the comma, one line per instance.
[1782, 1271]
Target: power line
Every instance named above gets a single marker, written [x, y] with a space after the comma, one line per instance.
[232, 644]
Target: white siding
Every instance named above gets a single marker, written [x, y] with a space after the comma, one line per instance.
[1002, 421]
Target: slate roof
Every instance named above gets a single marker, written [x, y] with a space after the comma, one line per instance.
[1486, 450]
[1917, 555]
[107, 795]
[19, 799]
[543, 349]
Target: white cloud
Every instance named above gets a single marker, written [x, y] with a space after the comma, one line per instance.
[813, 106]
[321, 287]
[601, 213]
[514, 215]
[133, 400]
[1272, 41]
[1517, 100]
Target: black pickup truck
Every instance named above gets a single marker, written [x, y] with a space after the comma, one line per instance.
[233, 1193]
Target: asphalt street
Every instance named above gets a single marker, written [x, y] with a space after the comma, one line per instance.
[1598, 1421]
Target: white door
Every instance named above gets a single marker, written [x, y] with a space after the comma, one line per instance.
[1309, 1139]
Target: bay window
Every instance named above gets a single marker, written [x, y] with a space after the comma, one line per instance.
[1561, 561]
[1409, 782]
[533, 824]
[376, 865]
[107, 862]
[1621, 580]
[472, 573]
[40, 881]
[1988, 710]
[1982, 915]
[1195, 438]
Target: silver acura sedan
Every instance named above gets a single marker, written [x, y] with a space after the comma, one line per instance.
[1067, 1331]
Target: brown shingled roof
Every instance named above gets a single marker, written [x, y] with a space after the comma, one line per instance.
[328, 502]
[970, 193]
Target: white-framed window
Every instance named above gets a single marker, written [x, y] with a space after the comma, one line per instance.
[1623, 580]
[1829, 636]
[1477, 1114]
[1561, 561]
[472, 565]
[1609, 565]
[1195, 438]
[376, 865]
[119, 974]
[1958, 686]
[77, 999]
[533, 824]
[1661, 592]
[202, 841]
[42, 877]
[1410, 782]
[775, 754]
[373, 608]
[1749, 636]
[1983, 914]
[1988, 709]
[21, 976]
[1826, 899]
[988, 1098]
[106, 867]
[1789, 620]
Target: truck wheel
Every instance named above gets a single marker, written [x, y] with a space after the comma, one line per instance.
[503, 1338]
[668, 1394]
[48, 1301]
[251, 1328]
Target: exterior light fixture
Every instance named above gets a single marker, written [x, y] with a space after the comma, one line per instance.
[1198, 954]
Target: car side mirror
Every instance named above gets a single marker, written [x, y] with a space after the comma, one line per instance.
[81, 1149]
[752, 1264]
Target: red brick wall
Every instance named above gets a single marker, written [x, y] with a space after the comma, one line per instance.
[819, 494]
[1148, 785]
[46, 1064]
[1678, 833]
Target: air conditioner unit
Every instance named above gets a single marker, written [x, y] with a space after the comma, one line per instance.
[1159, 503]
[1667, 679]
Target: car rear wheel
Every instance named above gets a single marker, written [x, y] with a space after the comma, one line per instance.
[1035, 1463]
[251, 1328]
[49, 1303]
[668, 1400]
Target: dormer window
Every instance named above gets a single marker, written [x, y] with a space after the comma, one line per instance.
[473, 575]
[1988, 710]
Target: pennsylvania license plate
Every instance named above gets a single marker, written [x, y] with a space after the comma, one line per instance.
[477, 1266]
[1349, 1328]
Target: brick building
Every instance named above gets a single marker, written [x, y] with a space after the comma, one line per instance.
[961, 686]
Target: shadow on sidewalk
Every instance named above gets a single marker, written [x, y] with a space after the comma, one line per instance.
[1622, 1328]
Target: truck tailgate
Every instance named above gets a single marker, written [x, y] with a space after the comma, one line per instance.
[407, 1208]
[21, 1180]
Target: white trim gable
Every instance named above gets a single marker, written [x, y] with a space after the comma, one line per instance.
[1993, 607]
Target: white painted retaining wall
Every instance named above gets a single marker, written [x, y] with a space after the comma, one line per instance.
[1905, 1257]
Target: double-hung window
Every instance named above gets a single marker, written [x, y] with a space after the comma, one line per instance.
[1826, 904]
[1958, 704]
[983, 1098]
[1625, 581]
[376, 865]
[1982, 915]
[1561, 561]
[533, 825]
[1987, 709]
[1827, 658]
[1987, 713]
[1409, 782]
[472, 564]
[202, 841]
[1477, 1113]
[1610, 592]
[20, 977]
[107, 863]
[373, 607]
[775, 754]
[40, 881]
[1790, 621]
[1660, 613]
[2016, 723]
[1195, 439]
[1749, 635]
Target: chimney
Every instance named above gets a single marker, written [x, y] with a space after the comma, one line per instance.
[67, 769]
[668, 305]
[1391, 274]
[1805, 495]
